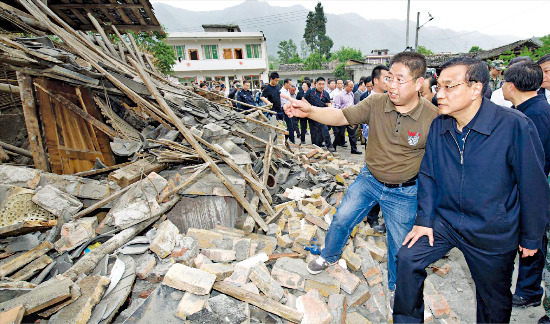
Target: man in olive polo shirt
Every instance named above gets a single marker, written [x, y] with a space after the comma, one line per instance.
[399, 122]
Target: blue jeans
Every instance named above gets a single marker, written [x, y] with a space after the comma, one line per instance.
[398, 206]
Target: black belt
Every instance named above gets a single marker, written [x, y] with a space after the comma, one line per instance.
[408, 183]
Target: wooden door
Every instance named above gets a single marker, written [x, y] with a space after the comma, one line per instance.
[227, 53]
[73, 143]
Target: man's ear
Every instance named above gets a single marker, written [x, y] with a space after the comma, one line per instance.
[418, 83]
[477, 90]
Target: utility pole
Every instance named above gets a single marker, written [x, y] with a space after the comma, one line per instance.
[408, 12]
[418, 28]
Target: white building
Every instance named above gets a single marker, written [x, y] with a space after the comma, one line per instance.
[221, 53]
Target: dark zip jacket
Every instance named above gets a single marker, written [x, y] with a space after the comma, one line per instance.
[494, 192]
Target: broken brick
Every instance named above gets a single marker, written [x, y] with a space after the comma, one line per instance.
[438, 305]
[189, 279]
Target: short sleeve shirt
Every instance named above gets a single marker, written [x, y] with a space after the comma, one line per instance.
[396, 142]
[273, 94]
[317, 98]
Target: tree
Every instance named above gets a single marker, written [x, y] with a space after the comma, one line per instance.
[315, 33]
[314, 62]
[424, 51]
[545, 48]
[304, 50]
[347, 53]
[287, 51]
[340, 71]
[535, 55]
[164, 56]
[475, 49]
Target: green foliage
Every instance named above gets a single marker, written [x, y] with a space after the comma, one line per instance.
[271, 67]
[164, 56]
[287, 51]
[535, 55]
[475, 49]
[295, 59]
[315, 33]
[314, 61]
[424, 51]
[347, 53]
[304, 50]
[340, 72]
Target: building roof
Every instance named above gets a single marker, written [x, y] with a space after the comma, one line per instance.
[437, 60]
[228, 26]
[125, 15]
[203, 35]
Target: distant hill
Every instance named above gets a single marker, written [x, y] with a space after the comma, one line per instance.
[282, 23]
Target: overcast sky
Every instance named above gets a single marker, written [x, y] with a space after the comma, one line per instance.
[519, 18]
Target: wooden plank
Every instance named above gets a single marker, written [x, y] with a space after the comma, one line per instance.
[80, 16]
[32, 268]
[77, 110]
[184, 184]
[135, 28]
[267, 160]
[123, 41]
[94, 172]
[88, 104]
[149, 11]
[189, 136]
[276, 147]
[31, 122]
[16, 149]
[129, 174]
[101, 44]
[43, 296]
[102, 33]
[50, 132]
[259, 301]
[137, 14]
[12, 316]
[20, 261]
[136, 50]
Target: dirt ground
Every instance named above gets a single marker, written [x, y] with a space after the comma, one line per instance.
[458, 287]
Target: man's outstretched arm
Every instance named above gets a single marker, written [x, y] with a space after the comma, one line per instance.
[327, 116]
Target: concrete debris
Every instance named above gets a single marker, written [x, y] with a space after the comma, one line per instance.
[56, 201]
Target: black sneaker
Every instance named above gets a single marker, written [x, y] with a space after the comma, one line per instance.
[318, 265]
[331, 149]
[544, 320]
[356, 152]
[518, 301]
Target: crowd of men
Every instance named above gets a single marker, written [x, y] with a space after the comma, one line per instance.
[449, 166]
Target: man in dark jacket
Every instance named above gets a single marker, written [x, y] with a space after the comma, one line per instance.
[245, 96]
[482, 189]
[521, 82]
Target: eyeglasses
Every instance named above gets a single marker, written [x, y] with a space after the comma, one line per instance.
[449, 87]
[389, 80]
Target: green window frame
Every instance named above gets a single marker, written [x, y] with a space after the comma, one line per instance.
[179, 50]
[253, 50]
[211, 52]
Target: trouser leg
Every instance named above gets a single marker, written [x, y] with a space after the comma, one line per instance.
[530, 274]
[372, 216]
[352, 137]
[357, 202]
[492, 275]
[339, 133]
[399, 208]
[326, 135]
[315, 129]
[290, 128]
[303, 129]
[411, 272]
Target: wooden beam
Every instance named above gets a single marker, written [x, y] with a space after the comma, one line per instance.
[12, 316]
[259, 301]
[187, 181]
[32, 268]
[267, 160]
[16, 149]
[94, 6]
[80, 112]
[102, 202]
[200, 150]
[25, 258]
[105, 38]
[276, 147]
[94, 172]
[136, 50]
[31, 122]
[123, 41]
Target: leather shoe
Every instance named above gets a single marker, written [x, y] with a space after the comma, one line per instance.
[544, 320]
[344, 145]
[518, 301]
[331, 149]
[356, 152]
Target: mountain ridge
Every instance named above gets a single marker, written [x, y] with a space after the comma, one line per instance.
[349, 29]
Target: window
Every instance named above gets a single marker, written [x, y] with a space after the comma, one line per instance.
[210, 52]
[230, 80]
[254, 81]
[193, 54]
[253, 51]
[238, 53]
[227, 54]
[219, 79]
[179, 50]
[187, 80]
[208, 81]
